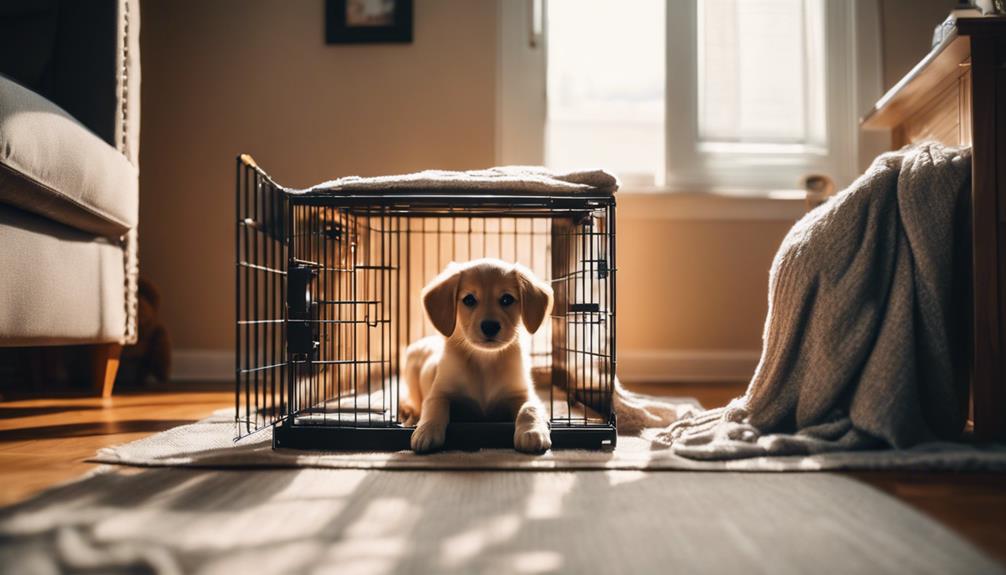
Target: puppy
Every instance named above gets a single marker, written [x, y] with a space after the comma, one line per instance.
[485, 310]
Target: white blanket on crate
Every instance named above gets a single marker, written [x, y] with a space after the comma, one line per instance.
[501, 180]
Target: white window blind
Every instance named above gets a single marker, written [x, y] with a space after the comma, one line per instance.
[700, 94]
[760, 71]
[606, 78]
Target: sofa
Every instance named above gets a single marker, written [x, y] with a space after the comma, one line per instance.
[69, 176]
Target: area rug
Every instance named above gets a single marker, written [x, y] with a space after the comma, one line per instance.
[171, 521]
[210, 444]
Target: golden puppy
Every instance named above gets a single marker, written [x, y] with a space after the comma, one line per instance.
[485, 310]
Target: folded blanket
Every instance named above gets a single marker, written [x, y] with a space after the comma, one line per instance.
[501, 180]
[860, 330]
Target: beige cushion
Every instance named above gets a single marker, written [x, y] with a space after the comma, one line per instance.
[59, 285]
[53, 166]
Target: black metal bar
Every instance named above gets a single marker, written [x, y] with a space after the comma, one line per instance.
[422, 260]
[396, 317]
[583, 366]
[384, 302]
[408, 280]
[246, 333]
[273, 304]
[571, 335]
[261, 368]
[366, 310]
[285, 380]
[516, 253]
[324, 311]
[237, 293]
[340, 257]
[256, 187]
[293, 373]
[371, 323]
[355, 388]
[613, 299]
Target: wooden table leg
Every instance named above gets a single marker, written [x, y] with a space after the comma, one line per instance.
[105, 361]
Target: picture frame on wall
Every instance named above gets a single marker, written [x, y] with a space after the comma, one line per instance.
[368, 21]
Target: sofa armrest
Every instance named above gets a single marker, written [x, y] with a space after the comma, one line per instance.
[127, 133]
[127, 79]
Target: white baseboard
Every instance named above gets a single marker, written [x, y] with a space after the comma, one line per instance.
[643, 365]
[202, 365]
[687, 365]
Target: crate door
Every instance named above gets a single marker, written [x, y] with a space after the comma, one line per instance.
[260, 339]
[342, 331]
[583, 317]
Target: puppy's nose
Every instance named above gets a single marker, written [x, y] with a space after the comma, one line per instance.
[490, 328]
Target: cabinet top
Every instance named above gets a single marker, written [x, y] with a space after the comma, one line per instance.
[949, 58]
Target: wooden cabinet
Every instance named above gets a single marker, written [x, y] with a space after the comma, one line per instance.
[957, 95]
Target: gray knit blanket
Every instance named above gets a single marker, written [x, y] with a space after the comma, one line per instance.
[857, 346]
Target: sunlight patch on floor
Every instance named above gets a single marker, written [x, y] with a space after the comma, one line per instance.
[376, 541]
[547, 493]
[621, 477]
[534, 562]
[461, 548]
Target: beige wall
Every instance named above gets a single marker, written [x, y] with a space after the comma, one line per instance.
[255, 76]
[232, 76]
[908, 32]
[694, 285]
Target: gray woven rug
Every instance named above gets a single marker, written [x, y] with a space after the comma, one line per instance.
[209, 444]
[172, 521]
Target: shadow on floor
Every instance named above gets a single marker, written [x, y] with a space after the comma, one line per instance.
[305, 520]
[90, 429]
[16, 412]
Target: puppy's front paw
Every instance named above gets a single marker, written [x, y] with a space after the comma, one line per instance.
[428, 437]
[409, 414]
[532, 440]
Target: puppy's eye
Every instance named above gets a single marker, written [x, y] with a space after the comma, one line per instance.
[469, 300]
[506, 300]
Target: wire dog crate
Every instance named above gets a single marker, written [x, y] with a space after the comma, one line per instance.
[328, 300]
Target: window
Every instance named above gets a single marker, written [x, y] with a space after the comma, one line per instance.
[760, 72]
[606, 90]
[745, 95]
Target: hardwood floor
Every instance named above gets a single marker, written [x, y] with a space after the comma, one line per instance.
[44, 442]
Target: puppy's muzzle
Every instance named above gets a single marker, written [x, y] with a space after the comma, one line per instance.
[490, 328]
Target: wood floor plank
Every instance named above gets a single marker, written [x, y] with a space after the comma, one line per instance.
[44, 442]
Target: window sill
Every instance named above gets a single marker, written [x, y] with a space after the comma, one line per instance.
[635, 203]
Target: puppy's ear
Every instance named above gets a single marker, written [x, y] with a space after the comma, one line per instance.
[535, 298]
[440, 298]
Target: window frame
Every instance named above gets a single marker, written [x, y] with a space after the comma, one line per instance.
[692, 165]
[689, 167]
[853, 80]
